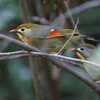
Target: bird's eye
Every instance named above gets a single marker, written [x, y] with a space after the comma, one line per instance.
[80, 49]
[22, 29]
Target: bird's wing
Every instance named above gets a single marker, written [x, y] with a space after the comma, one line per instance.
[93, 70]
[41, 31]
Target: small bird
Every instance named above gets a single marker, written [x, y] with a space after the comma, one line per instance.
[27, 31]
[84, 51]
[45, 36]
[91, 53]
[63, 36]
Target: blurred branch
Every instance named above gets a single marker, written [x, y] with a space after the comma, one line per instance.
[58, 60]
[22, 53]
[39, 7]
[85, 6]
[70, 38]
[40, 92]
[68, 10]
[17, 42]
[42, 20]
[24, 10]
[41, 78]
[11, 55]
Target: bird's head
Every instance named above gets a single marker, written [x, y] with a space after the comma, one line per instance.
[84, 51]
[24, 32]
[23, 29]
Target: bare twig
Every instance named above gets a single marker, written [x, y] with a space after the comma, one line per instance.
[70, 38]
[39, 7]
[39, 93]
[13, 55]
[17, 42]
[24, 10]
[58, 60]
[30, 48]
[83, 7]
[68, 10]
[21, 53]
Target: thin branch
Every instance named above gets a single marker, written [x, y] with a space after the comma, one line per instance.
[13, 55]
[70, 38]
[17, 42]
[68, 10]
[24, 10]
[39, 7]
[21, 53]
[81, 8]
[30, 48]
[58, 60]
[66, 58]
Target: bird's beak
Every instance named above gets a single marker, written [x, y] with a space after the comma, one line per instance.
[72, 49]
[78, 54]
[13, 30]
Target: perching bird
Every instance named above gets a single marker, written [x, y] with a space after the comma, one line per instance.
[90, 53]
[84, 51]
[27, 31]
[45, 36]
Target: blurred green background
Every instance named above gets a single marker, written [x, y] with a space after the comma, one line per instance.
[15, 76]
